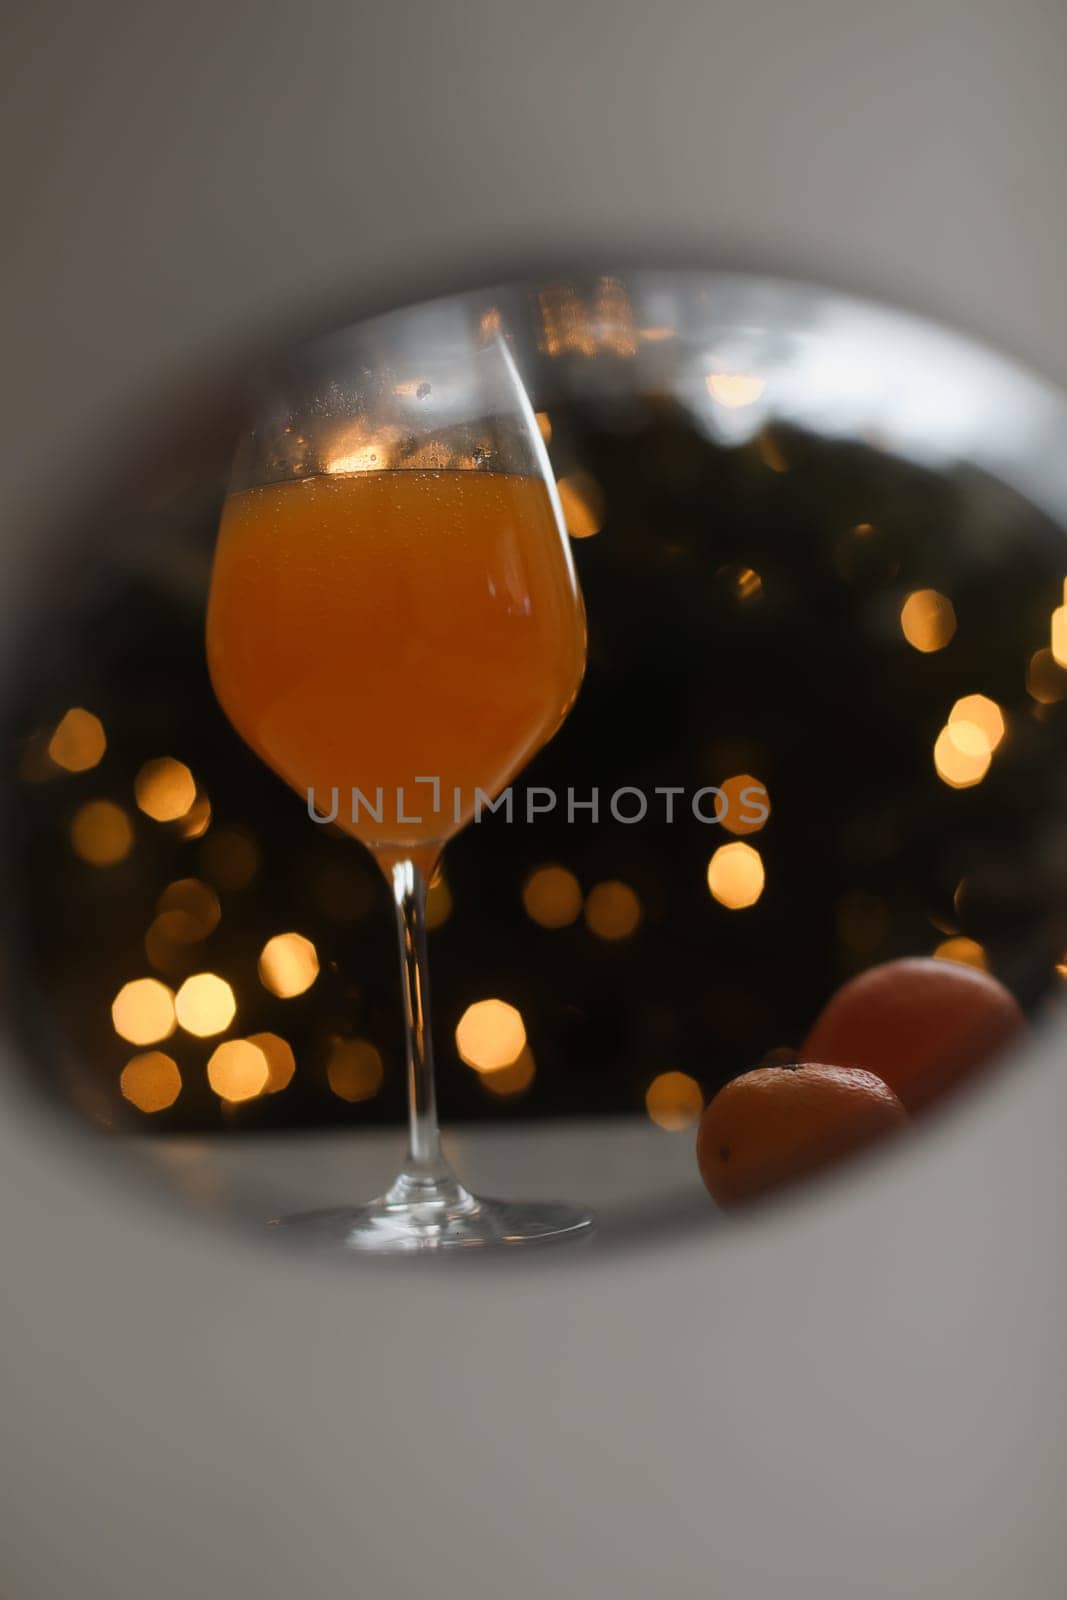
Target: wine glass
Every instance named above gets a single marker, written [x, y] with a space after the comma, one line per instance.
[395, 627]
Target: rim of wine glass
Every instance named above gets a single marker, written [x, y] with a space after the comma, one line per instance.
[204, 407]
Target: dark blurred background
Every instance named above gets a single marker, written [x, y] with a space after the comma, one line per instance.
[792, 612]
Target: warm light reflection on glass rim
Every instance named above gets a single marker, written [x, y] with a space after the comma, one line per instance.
[582, 501]
[835, 366]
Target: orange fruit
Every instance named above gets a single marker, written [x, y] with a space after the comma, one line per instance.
[922, 1025]
[776, 1124]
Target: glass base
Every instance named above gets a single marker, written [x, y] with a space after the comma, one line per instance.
[435, 1214]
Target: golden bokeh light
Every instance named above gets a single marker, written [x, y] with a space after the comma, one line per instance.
[230, 858]
[238, 1070]
[674, 1101]
[101, 833]
[1058, 639]
[205, 1004]
[512, 1079]
[35, 764]
[438, 902]
[736, 876]
[79, 741]
[364, 458]
[288, 965]
[1046, 680]
[165, 789]
[354, 1069]
[734, 389]
[197, 820]
[981, 713]
[490, 1034]
[151, 1081]
[358, 448]
[862, 530]
[612, 910]
[962, 755]
[544, 424]
[743, 583]
[583, 504]
[967, 737]
[281, 1063]
[927, 620]
[747, 804]
[490, 322]
[169, 940]
[967, 952]
[143, 1011]
[552, 897]
[1059, 636]
[196, 901]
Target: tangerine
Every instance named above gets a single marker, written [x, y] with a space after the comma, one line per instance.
[776, 1124]
[921, 1025]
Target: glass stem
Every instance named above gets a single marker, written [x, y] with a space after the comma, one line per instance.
[427, 1174]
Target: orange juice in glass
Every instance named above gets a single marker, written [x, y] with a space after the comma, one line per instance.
[370, 630]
